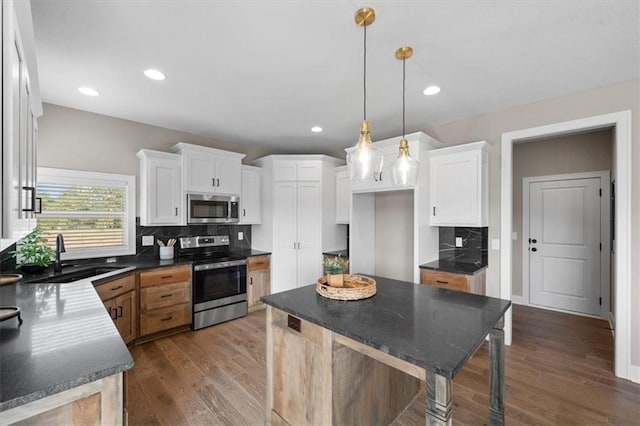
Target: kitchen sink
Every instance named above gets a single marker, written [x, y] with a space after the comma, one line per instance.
[78, 275]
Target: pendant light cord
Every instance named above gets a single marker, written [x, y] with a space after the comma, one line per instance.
[404, 60]
[364, 73]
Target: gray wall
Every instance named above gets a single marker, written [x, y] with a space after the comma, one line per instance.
[585, 152]
[394, 235]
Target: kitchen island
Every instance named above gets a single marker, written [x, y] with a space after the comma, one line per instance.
[64, 364]
[336, 362]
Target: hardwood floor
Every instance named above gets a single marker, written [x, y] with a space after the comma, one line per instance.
[559, 370]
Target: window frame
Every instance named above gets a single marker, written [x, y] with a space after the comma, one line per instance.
[83, 177]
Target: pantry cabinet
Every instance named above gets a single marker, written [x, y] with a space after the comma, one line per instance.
[21, 106]
[209, 170]
[119, 297]
[459, 183]
[251, 197]
[343, 195]
[259, 280]
[298, 217]
[161, 201]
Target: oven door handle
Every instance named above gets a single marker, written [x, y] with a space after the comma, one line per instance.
[219, 265]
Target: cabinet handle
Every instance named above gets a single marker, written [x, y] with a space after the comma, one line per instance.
[442, 282]
[218, 182]
[112, 315]
[244, 212]
[176, 211]
[170, 317]
[250, 280]
[434, 210]
[32, 190]
[116, 288]
[380, 176]
[164, 277]
[166, 295]
[39, 210]
[119, 311]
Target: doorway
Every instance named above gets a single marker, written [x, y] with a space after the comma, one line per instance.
[565, 244]
[621, 123]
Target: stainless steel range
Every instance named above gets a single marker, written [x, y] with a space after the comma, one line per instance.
[219, 280]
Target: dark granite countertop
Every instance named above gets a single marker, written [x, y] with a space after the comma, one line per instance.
[66, 340]
[341, 253]
[455, 267]
[250, 252]
[430, 327]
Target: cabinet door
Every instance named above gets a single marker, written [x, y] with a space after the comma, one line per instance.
[228, 174]
[199, 172]
[258, 286]
[284, 258]
[163, 192]
[343, 197]
[382, 181]
[455, 189]
[250, 198]
[126, 311]
[309, 229]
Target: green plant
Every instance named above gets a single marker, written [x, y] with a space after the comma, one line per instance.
[33, 250]
[333, 265]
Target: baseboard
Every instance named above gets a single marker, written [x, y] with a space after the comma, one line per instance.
[518, 300]
[612, 324]
[633, 371]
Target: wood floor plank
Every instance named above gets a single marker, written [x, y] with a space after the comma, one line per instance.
[559, 370]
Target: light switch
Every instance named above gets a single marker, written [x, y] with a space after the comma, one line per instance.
[458, 241]
[495, 244]
[514, 236]
[147, 240]
[240, 236]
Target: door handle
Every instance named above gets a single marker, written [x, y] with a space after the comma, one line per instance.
[534, 249]
[534, 241]
[32, 190]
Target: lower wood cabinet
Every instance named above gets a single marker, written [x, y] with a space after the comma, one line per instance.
[165, 299]
[258, 280]
[475, 283]
[119, 297]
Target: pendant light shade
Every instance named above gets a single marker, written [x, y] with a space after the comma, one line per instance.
[404, 170]
[364, 159]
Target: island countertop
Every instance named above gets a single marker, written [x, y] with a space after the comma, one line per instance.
[433, 328]
[67, 339]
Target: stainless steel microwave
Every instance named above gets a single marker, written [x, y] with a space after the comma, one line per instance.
[209, 208]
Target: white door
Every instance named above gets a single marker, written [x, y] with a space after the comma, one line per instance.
[250, 198]
[455, 189]
[564, 249]
[309, 233]
[164, 192]
[199, 172]
[228, 174]
[284, 258]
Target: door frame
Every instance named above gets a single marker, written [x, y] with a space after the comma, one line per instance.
[605, 252]
[621, 122]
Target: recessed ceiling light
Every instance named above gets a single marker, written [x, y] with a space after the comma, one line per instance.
[316, 129]
[88, 91]
[154, 74]
[431, 90]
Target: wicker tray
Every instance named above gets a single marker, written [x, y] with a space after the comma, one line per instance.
[354, 287]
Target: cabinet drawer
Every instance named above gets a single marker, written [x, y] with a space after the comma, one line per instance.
[160, 296]
[444, 280]
[164, 318]
[116, 287]
[258, 262]
[165, 275]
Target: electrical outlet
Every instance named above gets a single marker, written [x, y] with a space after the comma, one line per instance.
[495, 244]
[240, 236]
[147, 240]
[514, 236]
[458, 241]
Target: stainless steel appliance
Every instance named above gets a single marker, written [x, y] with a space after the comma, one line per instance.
[219, 280]
[209, 208]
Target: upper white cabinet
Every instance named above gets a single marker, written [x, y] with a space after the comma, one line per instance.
[21, 105]
[161, 200]
[343, 195]
[460, 185]
[210, 170]
[251, 197]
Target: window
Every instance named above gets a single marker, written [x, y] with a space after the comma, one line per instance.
[95, 212]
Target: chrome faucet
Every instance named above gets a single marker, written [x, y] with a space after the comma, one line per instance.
[57, 265]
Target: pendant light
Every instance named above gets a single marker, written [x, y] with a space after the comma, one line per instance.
[364, 159]
[404, 170]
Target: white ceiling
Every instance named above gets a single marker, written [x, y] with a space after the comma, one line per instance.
[265, 72]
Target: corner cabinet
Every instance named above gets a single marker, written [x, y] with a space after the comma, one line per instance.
[251, 197]
[161, 201]
[21, 105]
[343, 195]
[259, 280]
[460, 185]
[119, 298]
[210, 170]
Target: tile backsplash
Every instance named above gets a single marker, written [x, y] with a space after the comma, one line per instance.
[474, 244]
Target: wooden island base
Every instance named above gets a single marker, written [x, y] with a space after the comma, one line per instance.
[317, 377]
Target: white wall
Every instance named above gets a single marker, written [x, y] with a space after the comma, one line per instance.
[612, 98]
[394, 235]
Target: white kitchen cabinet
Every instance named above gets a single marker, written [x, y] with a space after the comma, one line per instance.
[459, 183]
[21, 105]
[298, 217]
[251, 197]
[210, 170]
[161, 200]
[343, 195]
